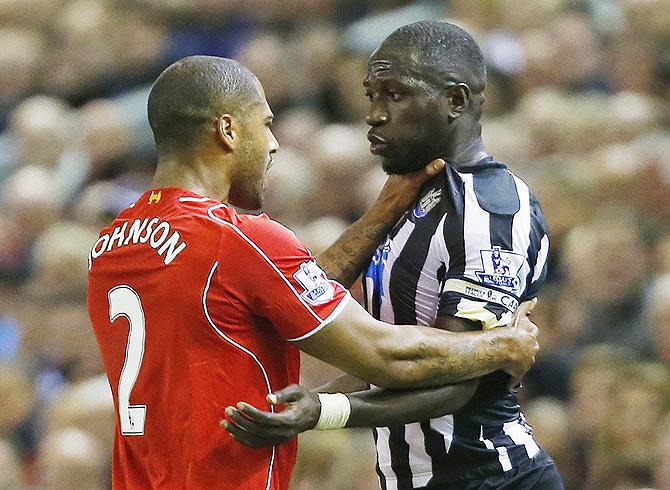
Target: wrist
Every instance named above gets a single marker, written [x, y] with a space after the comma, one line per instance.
[504, 345]
[335, 411]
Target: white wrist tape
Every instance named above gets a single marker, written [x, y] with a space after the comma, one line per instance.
[335, 411]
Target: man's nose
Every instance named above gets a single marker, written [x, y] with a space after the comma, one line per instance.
[376, 116]
[274, 144]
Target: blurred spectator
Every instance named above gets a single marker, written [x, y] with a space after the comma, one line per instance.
[578, 104]
[10, 470]
[71, 459]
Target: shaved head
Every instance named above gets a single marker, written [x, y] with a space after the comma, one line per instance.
[193, 92]
[437, 52]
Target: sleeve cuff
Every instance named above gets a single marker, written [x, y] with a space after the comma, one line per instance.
[335, 313]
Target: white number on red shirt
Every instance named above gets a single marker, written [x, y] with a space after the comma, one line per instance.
[124, 301]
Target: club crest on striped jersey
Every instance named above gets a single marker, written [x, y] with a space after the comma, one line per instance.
[501, 268]
[427, 202]
[317, 288]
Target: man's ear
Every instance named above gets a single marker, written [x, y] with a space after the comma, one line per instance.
[458, 97]
[226, 132]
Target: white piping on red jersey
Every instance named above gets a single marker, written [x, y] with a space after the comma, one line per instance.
[336, 312]
[262, 254]
[243, 349]
[193, 199]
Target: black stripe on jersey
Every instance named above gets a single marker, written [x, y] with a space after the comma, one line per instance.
[364, 287]
[399, 449]
[501, 230]
[537, 231]
[454, 235]
[402, 293]
[517, 454]
[382, 479]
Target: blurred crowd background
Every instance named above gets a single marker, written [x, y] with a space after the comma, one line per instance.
[578, 104]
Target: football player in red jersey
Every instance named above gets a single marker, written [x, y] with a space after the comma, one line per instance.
[196, 306]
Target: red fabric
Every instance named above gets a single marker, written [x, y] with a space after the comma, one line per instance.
[203, 352]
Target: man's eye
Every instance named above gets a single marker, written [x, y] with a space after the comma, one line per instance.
[394, 96]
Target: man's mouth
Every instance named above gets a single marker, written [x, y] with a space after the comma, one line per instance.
[377, 144]
[269, 165]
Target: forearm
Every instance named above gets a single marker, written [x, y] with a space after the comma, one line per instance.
[379, 407]
[343, 384]
[431, 357]
[344, 260]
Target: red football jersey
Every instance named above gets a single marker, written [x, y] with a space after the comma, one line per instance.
[192, 305]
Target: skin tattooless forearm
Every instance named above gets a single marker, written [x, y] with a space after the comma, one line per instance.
[344, 260]
[378, 407]
[343, 384]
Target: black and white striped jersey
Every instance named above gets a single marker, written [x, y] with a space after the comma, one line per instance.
[474, 246]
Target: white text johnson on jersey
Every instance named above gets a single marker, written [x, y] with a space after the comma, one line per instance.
[153, 232]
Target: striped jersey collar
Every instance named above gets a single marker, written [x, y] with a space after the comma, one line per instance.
[486, 162]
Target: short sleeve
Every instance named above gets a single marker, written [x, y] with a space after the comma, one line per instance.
[278, 278]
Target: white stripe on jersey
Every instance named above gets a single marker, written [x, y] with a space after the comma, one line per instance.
[476, 220]
[396, 245]
[419, 461]
[445, 426]
[384, 458]
[541, 258]
[521, 230]
[503, 457]
[520, 435]
[427, 286]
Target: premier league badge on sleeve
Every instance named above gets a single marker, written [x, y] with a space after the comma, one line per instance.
[318, 289]
[501, 268]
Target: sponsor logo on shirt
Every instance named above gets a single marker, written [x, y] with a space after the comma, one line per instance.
[427, 202]
[155, 197]
[501, 268]
[318, 289]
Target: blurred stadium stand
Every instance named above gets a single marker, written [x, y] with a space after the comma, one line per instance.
[578, 104]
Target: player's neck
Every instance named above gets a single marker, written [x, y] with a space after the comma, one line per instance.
[195, 176]
[466, 148]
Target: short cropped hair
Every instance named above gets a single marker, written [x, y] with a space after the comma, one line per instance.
[449, 51]
[194, 91]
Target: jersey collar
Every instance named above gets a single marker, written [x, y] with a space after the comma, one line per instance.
[486, 162]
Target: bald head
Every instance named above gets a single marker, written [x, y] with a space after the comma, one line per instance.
[192, 93]
[437, 52]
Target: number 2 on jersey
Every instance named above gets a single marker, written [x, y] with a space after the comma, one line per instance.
[124, 301]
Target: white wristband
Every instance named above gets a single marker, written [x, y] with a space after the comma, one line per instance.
[335, 411]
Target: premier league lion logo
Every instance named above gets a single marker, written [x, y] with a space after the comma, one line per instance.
[501, 268]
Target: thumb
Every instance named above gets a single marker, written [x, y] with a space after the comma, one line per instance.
[289, 394]
[434, 167]
[524, 309]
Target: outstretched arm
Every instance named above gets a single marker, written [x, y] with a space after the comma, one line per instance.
[344, 260]
[369, 408]
[410, 357]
